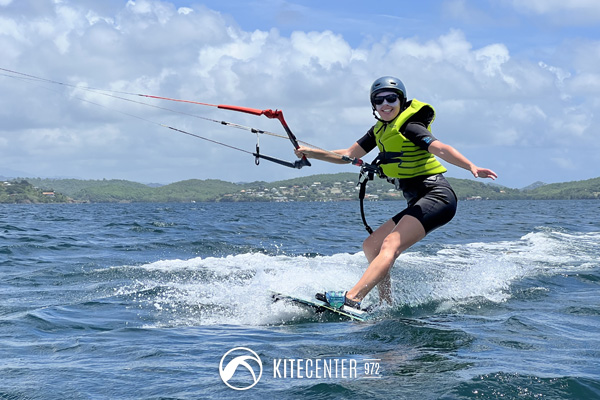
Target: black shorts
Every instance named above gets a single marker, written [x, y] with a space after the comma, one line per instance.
[430, 199]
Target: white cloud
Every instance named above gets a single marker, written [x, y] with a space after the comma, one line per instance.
[562, 12]
[564, 163]
[324, 48]
[463, 11]
[449, 63]
[586, 83]
[556, 6]
[560, 74]
[9, 27]
[184, 10]
[575, 124]
[528, 113]
[492, 58]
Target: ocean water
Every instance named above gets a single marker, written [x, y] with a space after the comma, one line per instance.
[154, 301]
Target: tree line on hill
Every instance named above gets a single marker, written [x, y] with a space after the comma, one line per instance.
[22, 192]
[327, 187]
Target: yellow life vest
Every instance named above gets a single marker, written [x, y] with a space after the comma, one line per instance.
[401, 158]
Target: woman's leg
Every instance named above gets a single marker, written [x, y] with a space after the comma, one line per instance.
[385, 289]
[371, 247]
[382, 248]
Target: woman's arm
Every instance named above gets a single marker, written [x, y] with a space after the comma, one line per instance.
[453, 156]
[335, 156]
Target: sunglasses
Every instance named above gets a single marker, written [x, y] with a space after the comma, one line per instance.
[390, 98]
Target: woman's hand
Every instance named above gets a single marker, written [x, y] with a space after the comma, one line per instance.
[303, 151]
[483, 172]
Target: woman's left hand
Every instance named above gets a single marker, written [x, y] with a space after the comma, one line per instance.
[483, 172]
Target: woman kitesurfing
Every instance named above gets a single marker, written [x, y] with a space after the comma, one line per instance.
[407, 157]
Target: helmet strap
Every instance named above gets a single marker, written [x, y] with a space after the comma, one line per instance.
[376, 115]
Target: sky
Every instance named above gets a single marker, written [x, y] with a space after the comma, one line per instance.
[515, 84]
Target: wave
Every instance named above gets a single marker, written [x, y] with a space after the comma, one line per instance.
[235, 289]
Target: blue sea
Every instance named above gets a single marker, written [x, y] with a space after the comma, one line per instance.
[155, 301]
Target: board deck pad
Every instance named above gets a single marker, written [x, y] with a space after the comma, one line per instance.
[320, 306]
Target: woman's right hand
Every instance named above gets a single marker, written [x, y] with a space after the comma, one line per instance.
[303, 151]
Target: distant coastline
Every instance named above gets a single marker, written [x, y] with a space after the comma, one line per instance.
[325, 187]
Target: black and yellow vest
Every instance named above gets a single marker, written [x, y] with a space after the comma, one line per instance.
[399, 157]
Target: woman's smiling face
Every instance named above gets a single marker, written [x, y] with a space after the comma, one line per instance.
[387, 110]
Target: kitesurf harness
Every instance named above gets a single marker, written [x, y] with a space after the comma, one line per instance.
[405, 160]
[367, 173]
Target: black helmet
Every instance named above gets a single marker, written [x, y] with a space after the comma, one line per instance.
[388, 83]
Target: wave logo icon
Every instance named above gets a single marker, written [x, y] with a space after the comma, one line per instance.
[240, 357]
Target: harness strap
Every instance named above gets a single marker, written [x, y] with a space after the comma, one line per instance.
[367, 173]
[361, 196]
[388, 157]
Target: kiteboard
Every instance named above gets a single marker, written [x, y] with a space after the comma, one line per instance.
[319, 306]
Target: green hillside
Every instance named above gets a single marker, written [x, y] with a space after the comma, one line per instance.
[110, 191]
[23, 192]
[194, 190]
[587, 189]
[326, 187]
[97, 191]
